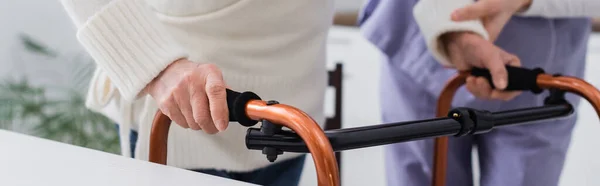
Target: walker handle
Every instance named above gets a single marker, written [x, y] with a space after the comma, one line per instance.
[247, 108]
[519, 79]
[236, 103]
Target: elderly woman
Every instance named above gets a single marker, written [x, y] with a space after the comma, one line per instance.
[180, 55]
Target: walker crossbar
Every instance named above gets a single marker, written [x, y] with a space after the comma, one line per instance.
[460, 122]
[306, 135]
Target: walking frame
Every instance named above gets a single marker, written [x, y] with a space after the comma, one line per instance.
[306, 136]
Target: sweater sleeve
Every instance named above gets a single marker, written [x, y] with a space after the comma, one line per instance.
[434, 20]
[126, 40]
[563, 8]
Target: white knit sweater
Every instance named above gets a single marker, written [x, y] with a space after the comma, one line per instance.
[272, 47]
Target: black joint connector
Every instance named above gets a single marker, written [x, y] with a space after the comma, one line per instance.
[272, 102]
[556, 96]
[270, 129]
[463, 116]
[472, 121]
[484, 121]
[271, 153]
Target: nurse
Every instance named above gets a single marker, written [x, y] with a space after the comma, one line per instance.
[412, 35]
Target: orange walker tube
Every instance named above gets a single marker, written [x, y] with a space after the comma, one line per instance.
[544, 81]
[298, 121]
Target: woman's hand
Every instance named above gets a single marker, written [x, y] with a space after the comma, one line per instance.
[493, 13]
[467, 50]
[193, 95]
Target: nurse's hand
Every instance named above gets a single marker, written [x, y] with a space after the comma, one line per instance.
[193, 95]
[467, 50]
[494, 14]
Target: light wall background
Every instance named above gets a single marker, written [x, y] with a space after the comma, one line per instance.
[45, 21]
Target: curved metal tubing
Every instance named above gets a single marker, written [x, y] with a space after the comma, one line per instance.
[444, 104]
[298, 121]
[545, 81]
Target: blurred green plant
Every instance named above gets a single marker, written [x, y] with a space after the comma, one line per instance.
[36, 47]
[29, 109]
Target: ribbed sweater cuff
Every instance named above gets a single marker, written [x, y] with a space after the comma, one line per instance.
[434, 20]
[128, 42]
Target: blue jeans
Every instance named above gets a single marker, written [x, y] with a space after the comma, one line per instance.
[285, 173]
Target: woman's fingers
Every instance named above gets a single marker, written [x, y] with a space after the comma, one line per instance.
[183, 101]
[171, 109]
[193, 95]
[217, 98]
[201, 112]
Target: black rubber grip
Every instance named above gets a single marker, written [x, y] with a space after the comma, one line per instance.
[236, 103]
[519, 79]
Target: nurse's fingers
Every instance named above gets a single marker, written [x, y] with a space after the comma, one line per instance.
[504, 95]
[495, 24]
[511, 59]
[496, 65]
[514, 61]
[453, 46]
[457, 57]
[477, 10]
[479, 87]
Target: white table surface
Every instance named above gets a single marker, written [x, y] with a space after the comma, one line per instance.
[28, 161]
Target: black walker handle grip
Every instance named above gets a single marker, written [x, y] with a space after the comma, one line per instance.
[519, 79]
[236, 103]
